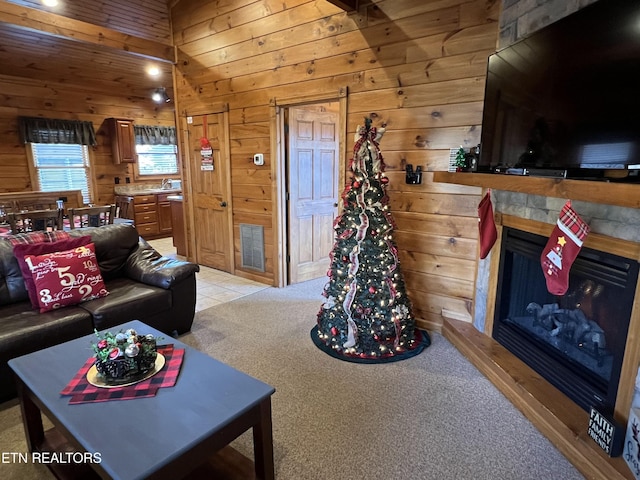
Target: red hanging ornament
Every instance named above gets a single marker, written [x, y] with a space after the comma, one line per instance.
[334, 331]
[356, 184]
[384, 180]
[372, 289]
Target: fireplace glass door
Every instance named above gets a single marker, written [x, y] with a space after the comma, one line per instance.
[576, 341]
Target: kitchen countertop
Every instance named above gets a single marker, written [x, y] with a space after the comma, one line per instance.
[128, 190]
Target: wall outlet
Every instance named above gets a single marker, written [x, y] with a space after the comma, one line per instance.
[258, 159]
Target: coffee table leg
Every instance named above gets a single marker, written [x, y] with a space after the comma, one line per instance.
[263, 443]
[31, 418]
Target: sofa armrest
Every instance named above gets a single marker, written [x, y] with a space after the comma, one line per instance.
[146, 265]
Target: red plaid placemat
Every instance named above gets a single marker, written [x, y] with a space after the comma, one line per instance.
[81, 391]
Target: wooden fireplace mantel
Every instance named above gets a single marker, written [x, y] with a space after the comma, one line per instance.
[609, 193]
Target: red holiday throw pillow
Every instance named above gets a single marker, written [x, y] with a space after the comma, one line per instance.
[66, 277]
[22, 249]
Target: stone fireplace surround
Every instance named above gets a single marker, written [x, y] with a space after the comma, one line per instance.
[521, 203]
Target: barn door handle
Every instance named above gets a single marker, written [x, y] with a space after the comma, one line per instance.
[223, 204]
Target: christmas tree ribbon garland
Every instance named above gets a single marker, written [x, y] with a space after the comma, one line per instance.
[347, 304]
[352, 329]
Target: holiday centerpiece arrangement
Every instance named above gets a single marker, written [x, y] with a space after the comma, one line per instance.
[124, 357]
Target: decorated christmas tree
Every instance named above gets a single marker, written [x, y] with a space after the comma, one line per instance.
[367, 314]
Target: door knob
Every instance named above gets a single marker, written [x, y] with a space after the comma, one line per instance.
[335, 204]
[223, 204]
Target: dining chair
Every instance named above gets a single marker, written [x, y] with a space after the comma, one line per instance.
[91, 216]
[34, 220]
[124, 209]
[124, 206]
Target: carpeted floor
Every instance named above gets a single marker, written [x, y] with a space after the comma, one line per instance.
[433, 416]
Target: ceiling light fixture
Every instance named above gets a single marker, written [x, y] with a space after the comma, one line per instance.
[159, 95]
[153, 71]
[50, 3]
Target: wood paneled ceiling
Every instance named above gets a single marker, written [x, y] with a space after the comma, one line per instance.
[98, 46]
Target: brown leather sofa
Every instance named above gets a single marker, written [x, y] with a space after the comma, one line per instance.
[142, 285]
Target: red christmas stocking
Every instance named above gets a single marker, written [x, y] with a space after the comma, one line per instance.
[487, 225]
[562, 249]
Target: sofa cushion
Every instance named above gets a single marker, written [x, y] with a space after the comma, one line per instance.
[66, 278]
[114, 244]
[127, 300]
[12, 287]
[22, 249]
[23, 330]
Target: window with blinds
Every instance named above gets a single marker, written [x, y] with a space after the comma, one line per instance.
[61, 166]
[157, 159]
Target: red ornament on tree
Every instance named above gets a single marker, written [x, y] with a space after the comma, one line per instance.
[372, 289]
[356, 184]
[334, 331]
[384, 180]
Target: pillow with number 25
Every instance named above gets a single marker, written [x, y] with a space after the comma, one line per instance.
[66, 278]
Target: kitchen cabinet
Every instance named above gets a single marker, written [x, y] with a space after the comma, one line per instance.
[123, 142]
[146, 215]
[151, 213]
[164, 213]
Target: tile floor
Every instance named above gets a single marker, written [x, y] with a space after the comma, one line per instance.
[213, 286]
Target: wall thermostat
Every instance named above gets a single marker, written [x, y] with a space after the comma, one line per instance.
[258, 159]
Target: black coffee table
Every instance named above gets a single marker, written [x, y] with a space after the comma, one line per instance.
[165, 436]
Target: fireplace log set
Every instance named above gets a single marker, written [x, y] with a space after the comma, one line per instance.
[570, 324]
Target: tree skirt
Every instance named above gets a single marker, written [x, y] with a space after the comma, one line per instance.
[422, 341]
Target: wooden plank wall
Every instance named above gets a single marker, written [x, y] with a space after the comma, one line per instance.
[417, 66]
[22, 97]
[146, 19]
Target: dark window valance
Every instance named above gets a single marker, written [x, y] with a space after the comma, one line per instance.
[154, 135]
[51, 130]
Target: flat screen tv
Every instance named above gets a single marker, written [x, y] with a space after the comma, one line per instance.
[565, 101]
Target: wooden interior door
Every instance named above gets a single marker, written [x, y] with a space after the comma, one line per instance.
[313, 163]
[210, 192]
